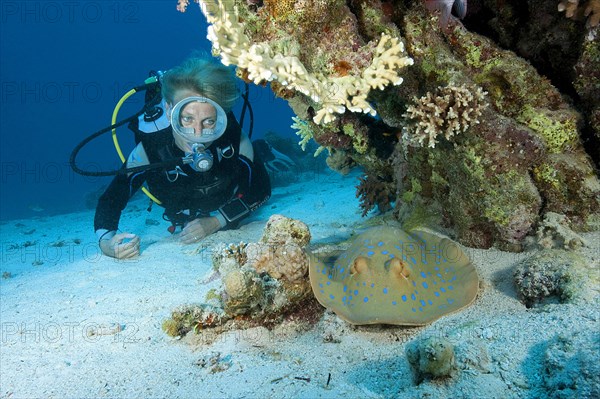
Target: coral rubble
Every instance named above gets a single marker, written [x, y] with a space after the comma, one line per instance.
[554, 275]
[555, 232]
[261, 282]
[432, 357]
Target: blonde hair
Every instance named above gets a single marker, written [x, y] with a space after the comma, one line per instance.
[204, 76]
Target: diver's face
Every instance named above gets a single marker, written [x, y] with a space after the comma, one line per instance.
[198, 116]
[195, 115]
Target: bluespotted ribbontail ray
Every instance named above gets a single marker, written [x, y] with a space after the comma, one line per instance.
[389, 276]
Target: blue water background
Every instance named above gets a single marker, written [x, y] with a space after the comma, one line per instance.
[63, 67]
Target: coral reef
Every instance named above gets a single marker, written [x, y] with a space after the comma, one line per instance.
[564, 50]
[337, 64]
[261, 61]
[587, 85]
[261, 282]
[554, 275]
[483, 181]
[432, 357]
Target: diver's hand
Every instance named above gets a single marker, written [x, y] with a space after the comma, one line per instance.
[121, 246]
[198, 229]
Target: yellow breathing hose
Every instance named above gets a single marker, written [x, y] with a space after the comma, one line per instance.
[116, 141]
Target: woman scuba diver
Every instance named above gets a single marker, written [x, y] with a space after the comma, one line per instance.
[221, 178]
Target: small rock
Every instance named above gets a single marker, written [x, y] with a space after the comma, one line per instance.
[431, 357]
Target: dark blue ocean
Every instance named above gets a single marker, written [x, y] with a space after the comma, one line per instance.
[63, 66]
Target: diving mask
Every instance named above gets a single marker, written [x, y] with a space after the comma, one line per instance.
[208, 135]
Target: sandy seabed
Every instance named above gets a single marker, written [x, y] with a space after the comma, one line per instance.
[76, 324]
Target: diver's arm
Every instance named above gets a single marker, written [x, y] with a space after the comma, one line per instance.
[255, 185]
[121, 189]
[254, 188]
[246, 148]
[111, 204]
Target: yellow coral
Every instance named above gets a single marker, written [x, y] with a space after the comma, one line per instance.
[559, 129]
[335, 94]
[279, 8]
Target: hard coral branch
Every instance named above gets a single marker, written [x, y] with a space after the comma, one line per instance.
[447, 112]
[574, 10]
[334, 94]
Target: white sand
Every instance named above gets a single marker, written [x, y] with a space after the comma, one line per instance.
[59, 295]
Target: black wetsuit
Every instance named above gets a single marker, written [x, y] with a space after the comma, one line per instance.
[185, 193]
